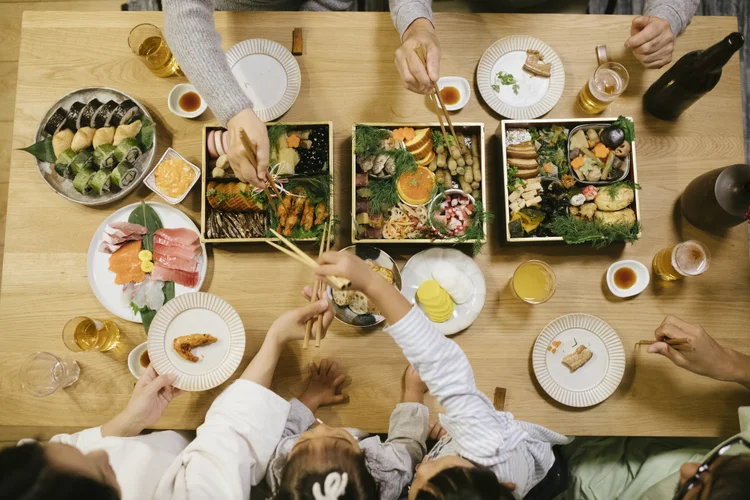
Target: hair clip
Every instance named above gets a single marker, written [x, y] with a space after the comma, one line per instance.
[333, 487]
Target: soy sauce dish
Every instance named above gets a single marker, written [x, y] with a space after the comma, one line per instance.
[455, 92]
[627, 278]
[136, 360]
[185, 101]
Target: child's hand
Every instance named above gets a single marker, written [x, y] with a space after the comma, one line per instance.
[324, 387]
[349, 266]
[436, 431]
[291, 325]
[414, 388]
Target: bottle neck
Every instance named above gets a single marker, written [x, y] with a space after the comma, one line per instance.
[717, 56]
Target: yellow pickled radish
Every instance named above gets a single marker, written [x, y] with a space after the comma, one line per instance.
[147, 266]
[145, 256]
[435, 301]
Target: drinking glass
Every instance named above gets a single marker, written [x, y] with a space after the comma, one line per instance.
[607, 83]
[86, 334]
[689, 258]
[147, 42]
[43, 373]
[534, 282]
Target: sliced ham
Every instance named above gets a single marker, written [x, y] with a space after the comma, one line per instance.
[179, 236]
[176, 262]
[123, 229]
[118, 240]
[175, 251]
[183, 278]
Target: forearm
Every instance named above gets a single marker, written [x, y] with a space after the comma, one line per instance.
[677, 12]
[740, 369]
[261, 368]
[406, 12]
[389, 301]
[191, 34]
[327, 5]
[121, 426]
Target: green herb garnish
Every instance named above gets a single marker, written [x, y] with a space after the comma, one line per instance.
[383, 195]
[596, 233]
[626, 126]
[505, 79]
[274, 133]
[612, 189]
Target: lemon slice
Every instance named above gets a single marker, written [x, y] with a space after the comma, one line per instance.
[145, 256]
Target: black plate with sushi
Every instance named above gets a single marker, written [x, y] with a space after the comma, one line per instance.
[95, 145]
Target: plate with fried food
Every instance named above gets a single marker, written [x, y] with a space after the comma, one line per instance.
[579, 360]
[200, 338]
[353, 307]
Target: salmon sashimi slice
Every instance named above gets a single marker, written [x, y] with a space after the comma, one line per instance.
[123, 229]
[183, 278]
[176, 262]
[185, 344]
[126, 265]
[179, 236]
[175, 251]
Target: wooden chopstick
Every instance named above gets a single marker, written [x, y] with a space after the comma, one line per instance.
[679, 344]
[291, 254]
[319, 322]
[442, 127]
[314, 295]
[419, 49]
[252, 156]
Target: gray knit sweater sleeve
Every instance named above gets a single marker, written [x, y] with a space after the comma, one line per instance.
[405, 12]
[190, 32]
[677, 12]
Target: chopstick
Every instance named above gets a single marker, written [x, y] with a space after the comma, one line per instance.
[675, 343]
[319, 322]
[314, 295]
[338, 283]
[253, 157]
[419, 49]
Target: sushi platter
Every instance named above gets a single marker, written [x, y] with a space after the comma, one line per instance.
[570, 180]
[95, 145]
[300, 163]
[408, 186]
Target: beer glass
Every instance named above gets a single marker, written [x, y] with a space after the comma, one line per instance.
[43, 373]
[147, 42]
[86, 334]
[689, 258]
[607, 83]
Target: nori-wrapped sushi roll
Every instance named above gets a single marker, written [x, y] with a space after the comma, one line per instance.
[62, 166]
[63, 170]
[104, 156]
[83, 161]
[128, 150]
[86, 117]
[101, 118]
[56, 121]
[81, 181]
[71, 121]
[124, 114]
[123, 175]
[100, 182]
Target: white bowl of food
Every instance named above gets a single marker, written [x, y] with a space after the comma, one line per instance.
[455, 92]
[185, 101]
[138, 360]
[627, 278]
[173, 177]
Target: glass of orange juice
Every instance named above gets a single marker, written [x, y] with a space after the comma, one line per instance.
[534, 282]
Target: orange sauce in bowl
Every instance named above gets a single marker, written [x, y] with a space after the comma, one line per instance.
[415, 188]
[450, 95]
[625, 278]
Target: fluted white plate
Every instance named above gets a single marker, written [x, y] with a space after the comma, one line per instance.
[269, 75]
[593, 382]
[198, 312]
[419, 269]
[536, 95]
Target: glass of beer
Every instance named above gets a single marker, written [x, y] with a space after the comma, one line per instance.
[534, 282]
[607, 83]
[689, 258]
[86, 334]
[43, 373]
[147, 42]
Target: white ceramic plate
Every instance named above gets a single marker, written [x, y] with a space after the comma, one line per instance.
[269, 75]
[173, 101]
[102, 280]
[134, 360]
[642, 278]
[463, 87]
[536, 95]
[197, 313]
[593, 382]
[419, 269]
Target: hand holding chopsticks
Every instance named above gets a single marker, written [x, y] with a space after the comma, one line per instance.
[252, 172]
[315, 294]
[415, 76]
[252, 155]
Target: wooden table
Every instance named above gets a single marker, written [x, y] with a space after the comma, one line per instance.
[348, 75]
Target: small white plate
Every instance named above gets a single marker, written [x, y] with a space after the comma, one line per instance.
[464, 90]
[197, 313]
[642, 279]
[593, 382]
[134, 360]
[419, 269]
[173, 101]
[151, 179]
[102, 280]
[269, 75]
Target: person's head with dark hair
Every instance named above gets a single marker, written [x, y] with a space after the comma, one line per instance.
[727, 478]
[455, 478]
[35, 472]
[330, 458]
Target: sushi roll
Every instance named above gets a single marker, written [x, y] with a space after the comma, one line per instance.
[71, 121]
[101, 118]
[63, 170]
[81, 181]
[123, 175]
[100, 182]
[62, 166]
[124, 114]
[56, 121]
[82, 161]
[86, 116]
[104, 156]
[128, 150]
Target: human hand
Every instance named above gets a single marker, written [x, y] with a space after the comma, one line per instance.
[238, 159]
[324, 387]
[349, 266]
[436, 430]
[151, 396]
[652, 41]
[411, 68]
[291, 325]
[414, 387]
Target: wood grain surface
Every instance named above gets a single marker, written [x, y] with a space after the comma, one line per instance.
[348, 76]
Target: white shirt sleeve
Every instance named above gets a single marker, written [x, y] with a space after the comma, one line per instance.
[87, 439]
[232, 448]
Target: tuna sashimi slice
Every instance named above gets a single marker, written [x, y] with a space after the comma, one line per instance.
[171, 243]
[179, 236]
[175, 251]
[183, 278]
[176, 262]
[123, 229]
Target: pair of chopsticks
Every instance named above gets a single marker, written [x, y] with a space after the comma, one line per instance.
[252, 155]
[419, 49]
[316, 294]
[680, 344]
[302, 257]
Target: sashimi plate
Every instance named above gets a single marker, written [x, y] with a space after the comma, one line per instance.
[102, 280]
[197, 313]
[420, 268]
